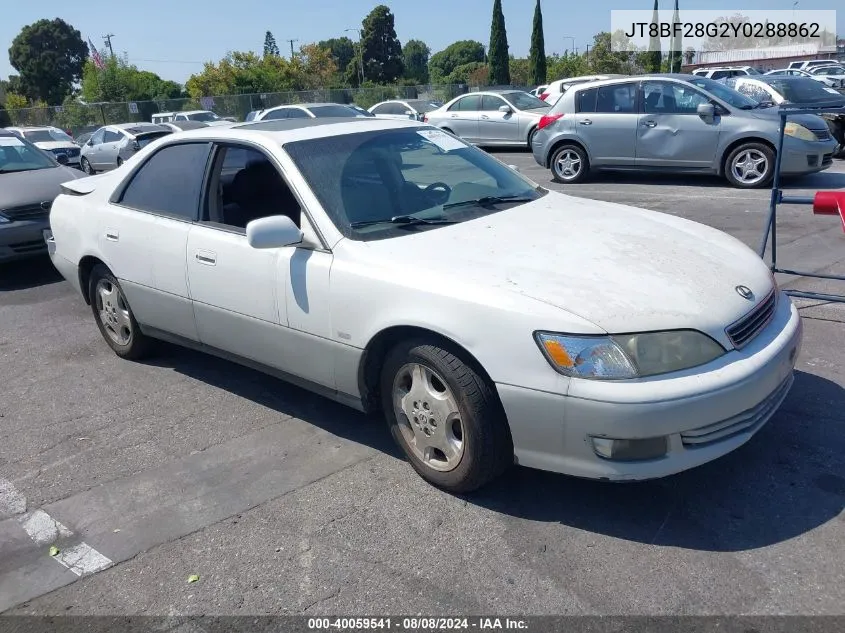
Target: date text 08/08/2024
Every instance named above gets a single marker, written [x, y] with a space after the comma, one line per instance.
[416, 624]
[724, 29]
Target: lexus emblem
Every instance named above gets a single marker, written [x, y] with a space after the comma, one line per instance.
[744, 292]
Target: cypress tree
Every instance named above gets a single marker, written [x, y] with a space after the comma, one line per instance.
[655, 56]
[537, 56]
[500, 74]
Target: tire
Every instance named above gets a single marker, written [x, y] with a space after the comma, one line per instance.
[86, 166]
[531, 136]
[472, 427]
[837, 130]
[575, 170]
[119, 161]
[114, 317]
[744, 159]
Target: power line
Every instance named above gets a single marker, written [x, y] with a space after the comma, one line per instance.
[291, 47]
[164, 61]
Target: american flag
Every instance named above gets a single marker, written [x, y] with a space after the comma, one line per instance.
[95, 55]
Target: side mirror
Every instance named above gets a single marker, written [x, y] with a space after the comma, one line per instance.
[62, 159]
[506, 109]
[90, 142]
[706, 111]
[514, 167]
[274, 231]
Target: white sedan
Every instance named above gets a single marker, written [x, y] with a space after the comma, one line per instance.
[393, 267]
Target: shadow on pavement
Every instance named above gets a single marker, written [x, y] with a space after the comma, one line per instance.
[786, 481]
[28, 273]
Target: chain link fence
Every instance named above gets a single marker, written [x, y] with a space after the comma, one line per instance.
[79, 118]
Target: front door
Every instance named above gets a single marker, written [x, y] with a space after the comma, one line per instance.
[145, 234]
[670, 132]
[495, 126]
[462, 117]
[606, 121]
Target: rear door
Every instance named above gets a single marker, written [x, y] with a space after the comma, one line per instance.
[670, 132]
[606, 121]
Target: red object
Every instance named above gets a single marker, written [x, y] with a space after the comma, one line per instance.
[548, 119]
[830, 203]
[544, 96]
[425, 118]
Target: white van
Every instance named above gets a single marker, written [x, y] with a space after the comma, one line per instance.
[164, 117]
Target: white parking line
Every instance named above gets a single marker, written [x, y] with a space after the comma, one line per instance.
[11, 501]
[42, 528]
[83, 559]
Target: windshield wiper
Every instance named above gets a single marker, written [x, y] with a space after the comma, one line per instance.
[403, 220]
[488, 200]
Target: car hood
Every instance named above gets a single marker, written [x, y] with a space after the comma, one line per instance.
[31, 187]
[812, 121]
[622, 268]
[48, 145]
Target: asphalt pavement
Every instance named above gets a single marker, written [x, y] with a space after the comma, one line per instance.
[143, 474]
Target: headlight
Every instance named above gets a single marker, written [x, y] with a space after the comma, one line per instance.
[627, 355]
[799, 131]
[4, 219]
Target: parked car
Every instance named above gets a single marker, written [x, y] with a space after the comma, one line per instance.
[490, 118]
[782, 90]
[795, 72]
[50, 139]
[205, 116]
[538, 90]
[401, 109]
[81, 139]
[308, 111]
[806, 65]
[722, 72]
[181, 126]
[679, 123]
[112, 145]
[29, 181]
[553, 91]
[830, 73]
[363, 112]
[648, 345]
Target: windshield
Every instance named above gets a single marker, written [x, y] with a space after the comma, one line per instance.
[728, 95]
[525, 101]
[146, 139]
[19, 155]
[46, 136]
[333, 111]
[423, 106]
[828, 70]
[805, 90]
[203, 116]
[420, 176]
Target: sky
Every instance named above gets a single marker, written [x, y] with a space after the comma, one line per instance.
[172, 38]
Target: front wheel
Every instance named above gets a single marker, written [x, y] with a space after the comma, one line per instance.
[445, 417]
[531, 136]
[750, 165]
[114, 317]
[119, 162]
[569, 164]
[86, 166]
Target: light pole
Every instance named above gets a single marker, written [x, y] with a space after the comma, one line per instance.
[360, 53]
[569, 37]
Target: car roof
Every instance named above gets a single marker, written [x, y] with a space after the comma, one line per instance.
[32, 127]
[307, 105]
[139, 128]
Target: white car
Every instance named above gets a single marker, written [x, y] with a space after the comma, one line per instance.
[310, 111]
[403, 109]
[50, 139]
[393, 267]
[795, 72]
[205, 116]
[554, 90]
[725, 72]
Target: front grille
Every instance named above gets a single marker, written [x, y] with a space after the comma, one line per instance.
[752, 323]
[29, 212]
[32, 246]
[827, 159]
[70, 153]
[749, 421]
[822, 135]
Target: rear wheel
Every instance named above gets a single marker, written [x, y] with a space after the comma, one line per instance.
[569, 164]
[114, 316]
[531, 136]
[445, 416]
[119, 161]
[86, 166]
[750, 165]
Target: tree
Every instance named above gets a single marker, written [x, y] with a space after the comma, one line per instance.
[342, 50]
[498, 52]
[520, 71]
[270, 47]
[120, 81]
[415, 55]
[315, 66]
[443, 63]
[5, 121]
[49, 55]
[537, 57]
[567, 65]
[654, 57]
[381, 48]
[465, 73]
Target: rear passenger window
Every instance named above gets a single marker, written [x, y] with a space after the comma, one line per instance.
[586, 100]
[617, 99]
[169, 182]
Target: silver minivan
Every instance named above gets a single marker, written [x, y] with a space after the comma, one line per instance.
[675, 123]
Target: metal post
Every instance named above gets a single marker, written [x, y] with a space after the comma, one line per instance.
[775, 198]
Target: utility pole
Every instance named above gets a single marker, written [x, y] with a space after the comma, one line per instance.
[360, 53]
[569, 37]
[107, 40]
[291, 47]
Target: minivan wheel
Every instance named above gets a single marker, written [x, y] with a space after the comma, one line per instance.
[445, 416]
[750, 165]
[86, 166]
[114, 317]
[569, 164]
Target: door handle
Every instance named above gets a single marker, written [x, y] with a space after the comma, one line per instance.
[454, 116]
[586, 122]
[206, 257]
[484, 116]
[650, 123]
[112, 235]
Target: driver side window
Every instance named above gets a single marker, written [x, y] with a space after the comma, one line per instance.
[98, 137]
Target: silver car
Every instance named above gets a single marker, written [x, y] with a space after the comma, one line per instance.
[414, 109]
[112, 145]
[491, 118]
[678, 123]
